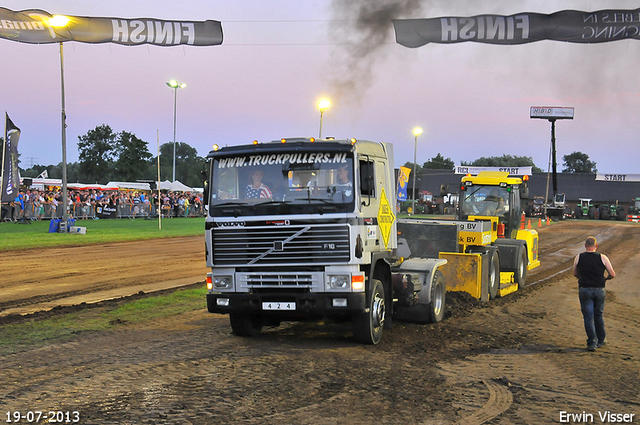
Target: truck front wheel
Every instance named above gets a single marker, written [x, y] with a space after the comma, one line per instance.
[245, 324]
[367, 327]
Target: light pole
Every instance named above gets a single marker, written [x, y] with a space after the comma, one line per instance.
[59, 21]
[416, 132]
[322, 105]
[175, 86]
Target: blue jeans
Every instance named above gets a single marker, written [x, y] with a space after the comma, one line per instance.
[592, 305]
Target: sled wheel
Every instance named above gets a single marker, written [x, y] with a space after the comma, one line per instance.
[521, 269]
[494, 276]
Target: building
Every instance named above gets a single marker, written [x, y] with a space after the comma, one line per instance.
[573, 185]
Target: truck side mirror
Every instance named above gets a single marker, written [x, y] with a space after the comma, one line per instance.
[205, 185]
[524, 192]
[367, 183]
[444, 189]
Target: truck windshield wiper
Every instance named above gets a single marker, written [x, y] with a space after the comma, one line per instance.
[273, 202]
[231, 204]
[324, 201]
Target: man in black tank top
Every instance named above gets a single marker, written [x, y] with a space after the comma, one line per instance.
[589, 268]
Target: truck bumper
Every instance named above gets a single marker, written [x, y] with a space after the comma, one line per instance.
[323, 304]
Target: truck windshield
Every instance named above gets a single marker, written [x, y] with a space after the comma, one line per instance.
[300, 185]
[485, 200]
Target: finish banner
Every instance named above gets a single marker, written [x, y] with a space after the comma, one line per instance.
[573, 26]
[37, 26]
[10, 171]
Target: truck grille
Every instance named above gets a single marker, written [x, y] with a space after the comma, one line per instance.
[280, 280]
[259, 246]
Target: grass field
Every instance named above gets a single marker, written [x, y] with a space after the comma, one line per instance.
[36, 235]
[35, 333]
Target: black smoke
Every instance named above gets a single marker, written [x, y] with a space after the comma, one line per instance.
[363, 31]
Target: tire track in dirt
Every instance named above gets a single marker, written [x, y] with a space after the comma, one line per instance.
[533, 376]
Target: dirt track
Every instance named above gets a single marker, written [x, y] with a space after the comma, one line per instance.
[516, 360]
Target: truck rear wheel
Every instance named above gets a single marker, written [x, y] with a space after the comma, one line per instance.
[367, 327]
[438, 294]
[494, 275]
[245, 324]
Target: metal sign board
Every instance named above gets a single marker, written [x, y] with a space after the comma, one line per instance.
[549, 112]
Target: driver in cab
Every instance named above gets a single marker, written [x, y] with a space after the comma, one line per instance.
[496, 199]
[344, 184]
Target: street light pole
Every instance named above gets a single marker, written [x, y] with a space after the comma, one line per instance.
[60, 21]
[322, 105]
[65, 204]
[416, 132]
[175, 86]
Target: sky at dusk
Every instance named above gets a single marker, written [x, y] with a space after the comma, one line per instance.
[279, 58]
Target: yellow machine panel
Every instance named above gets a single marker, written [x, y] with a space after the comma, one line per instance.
[531, 239]
[477, 231]
[507, 284]
[463, 272]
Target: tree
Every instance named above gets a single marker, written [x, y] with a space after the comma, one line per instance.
[505, 161]
[188, 164]
[133, 158]
[578, 162]
[73, 172]
[97, 153]
[438, 162]
[34, 171]
[410, 165]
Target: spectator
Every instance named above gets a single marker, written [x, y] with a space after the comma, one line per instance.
[589, 268]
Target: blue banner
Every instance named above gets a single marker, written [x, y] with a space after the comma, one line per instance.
[403, 180]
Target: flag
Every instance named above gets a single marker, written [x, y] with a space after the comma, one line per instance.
[10, 171]
[34, 26]
[403, 179]
[43, 175]
[572, 26]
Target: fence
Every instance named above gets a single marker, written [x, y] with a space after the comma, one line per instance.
[94, 211]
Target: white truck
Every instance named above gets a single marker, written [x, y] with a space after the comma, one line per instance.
[301, 229]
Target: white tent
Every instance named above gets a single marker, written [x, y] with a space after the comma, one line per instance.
[165, 185]
[176, 186]
[129, 185]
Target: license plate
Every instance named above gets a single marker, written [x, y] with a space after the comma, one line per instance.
[278, 306]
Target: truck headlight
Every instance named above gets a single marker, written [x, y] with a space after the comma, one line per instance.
[339, 281]
[222, 282]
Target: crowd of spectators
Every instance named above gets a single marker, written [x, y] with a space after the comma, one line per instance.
[35, 204]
